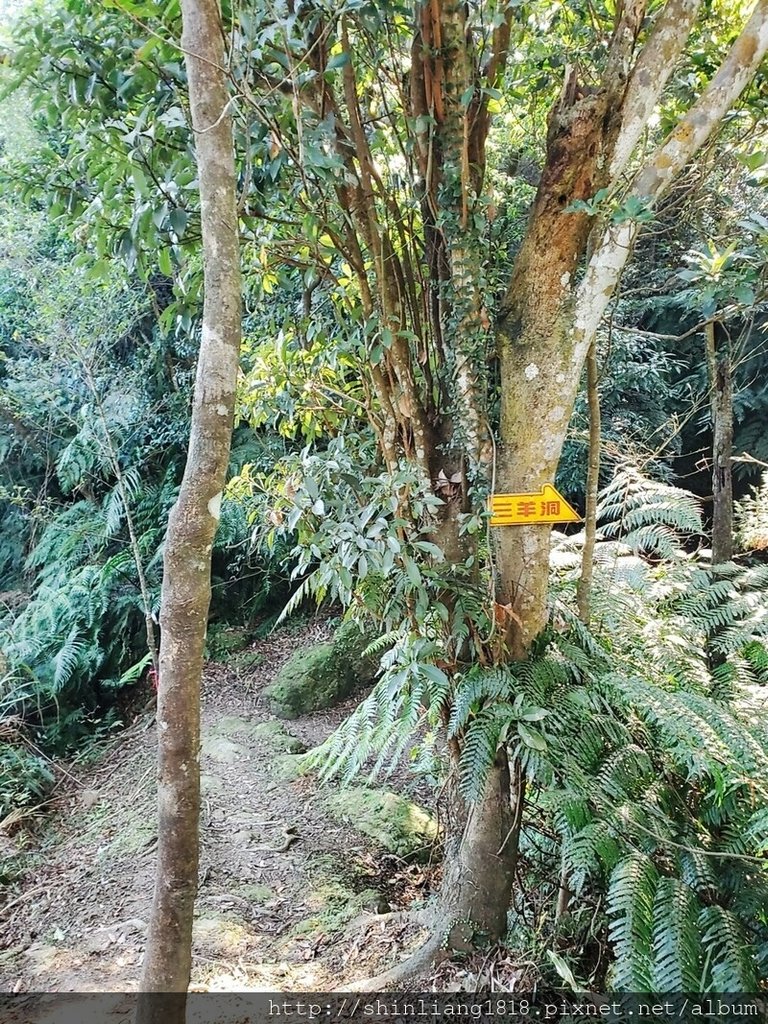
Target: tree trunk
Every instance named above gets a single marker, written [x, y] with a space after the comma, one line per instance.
[721, 404]
[481, 839]
[584, 588]
[192, 526]
[480, 859]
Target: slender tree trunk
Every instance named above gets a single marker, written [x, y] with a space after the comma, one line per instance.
[584, 588]
[721, 404]
[149, 622]
[192, 526]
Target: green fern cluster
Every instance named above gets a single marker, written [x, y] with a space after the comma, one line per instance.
[664, 800]
[400, 715]
[752, 518]
[85, 617]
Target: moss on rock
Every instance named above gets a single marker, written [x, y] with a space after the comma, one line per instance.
[391, 820]
[336, 892]
[274, 733]
[321, 676]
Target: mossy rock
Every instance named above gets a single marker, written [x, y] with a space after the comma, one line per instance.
[322, 676]
[274, 733]
[391, 820]
[335, 893]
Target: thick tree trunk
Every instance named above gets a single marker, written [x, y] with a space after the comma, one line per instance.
[480, 859]
[481, 839]
[191, 528]
[721, 404]
[538, 394]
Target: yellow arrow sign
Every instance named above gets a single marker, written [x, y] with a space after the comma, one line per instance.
[548, 506]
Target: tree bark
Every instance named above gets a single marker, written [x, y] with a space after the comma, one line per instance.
[721, 404]
[480, 859]
[481, 839]
[192, 526]
[584, 588]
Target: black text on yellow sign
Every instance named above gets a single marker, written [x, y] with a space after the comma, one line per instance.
[547, 506]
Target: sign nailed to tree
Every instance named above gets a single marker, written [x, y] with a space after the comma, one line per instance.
[546, 506]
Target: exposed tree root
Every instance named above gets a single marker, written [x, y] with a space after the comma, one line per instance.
[432, 953]
[395, 917]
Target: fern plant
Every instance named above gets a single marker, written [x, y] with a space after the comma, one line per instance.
[646, 756]
[752, 518]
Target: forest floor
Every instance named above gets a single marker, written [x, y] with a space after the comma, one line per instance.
[267, 918]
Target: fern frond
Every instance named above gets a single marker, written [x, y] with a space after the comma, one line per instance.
[731, 960]
[481, 744]
[677, 948]
[631, 898]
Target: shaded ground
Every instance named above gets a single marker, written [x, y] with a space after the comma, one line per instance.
[280, 876]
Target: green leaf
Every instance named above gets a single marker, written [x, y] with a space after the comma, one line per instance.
[412, 571]
[531, 737]
[564, 971]
[339, 60]
[311, 487]
[165, 261]
[435, 674]
[178, 220]
[140, 181]
[534, 715]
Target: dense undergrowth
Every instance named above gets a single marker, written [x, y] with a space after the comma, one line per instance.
[94, 401]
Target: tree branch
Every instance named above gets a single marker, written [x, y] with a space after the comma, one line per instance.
[652, 181]
[650, 74]
[730, 80]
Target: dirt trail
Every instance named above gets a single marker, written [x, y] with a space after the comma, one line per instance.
[269, 919]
